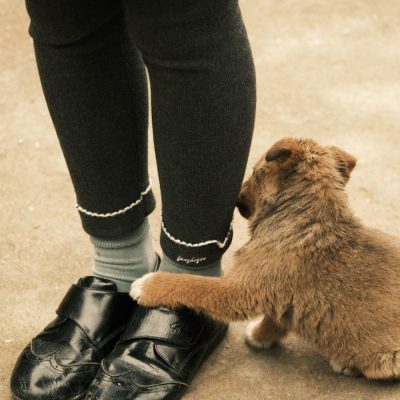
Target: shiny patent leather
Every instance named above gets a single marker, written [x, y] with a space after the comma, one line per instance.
[157, 356]
[61, 362]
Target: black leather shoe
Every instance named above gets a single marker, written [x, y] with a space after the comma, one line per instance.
[157, 356]
[61, 361]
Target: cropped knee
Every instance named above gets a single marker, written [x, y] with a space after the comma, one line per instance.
[65, 22]
[183, 29]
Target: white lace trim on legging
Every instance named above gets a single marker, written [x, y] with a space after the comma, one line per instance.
[118, 212]
[201, 244]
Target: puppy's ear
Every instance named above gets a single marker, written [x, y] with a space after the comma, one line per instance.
[286, 152]
[345, 162]
[278, 154]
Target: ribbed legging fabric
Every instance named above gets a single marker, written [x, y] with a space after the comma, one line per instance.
[92, 57]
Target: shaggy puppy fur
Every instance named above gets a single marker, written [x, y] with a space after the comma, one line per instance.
[310, 266]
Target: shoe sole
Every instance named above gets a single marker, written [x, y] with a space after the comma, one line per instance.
[79, 397]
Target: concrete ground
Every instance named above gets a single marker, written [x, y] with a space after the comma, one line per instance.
[326, 69]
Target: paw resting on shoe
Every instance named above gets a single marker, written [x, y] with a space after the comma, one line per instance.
[155, 289]
[140, 290]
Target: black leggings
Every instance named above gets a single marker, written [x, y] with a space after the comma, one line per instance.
[92, 56]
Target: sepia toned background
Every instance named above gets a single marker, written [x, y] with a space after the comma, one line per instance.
[329, 70]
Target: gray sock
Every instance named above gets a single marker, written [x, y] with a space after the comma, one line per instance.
[125, 258]
[168, 265]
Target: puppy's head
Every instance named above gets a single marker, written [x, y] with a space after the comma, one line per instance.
[288, 166]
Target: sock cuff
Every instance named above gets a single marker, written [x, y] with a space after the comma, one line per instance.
[125, 240]
[123, 285]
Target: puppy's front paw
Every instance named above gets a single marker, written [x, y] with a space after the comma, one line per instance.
[138, 288]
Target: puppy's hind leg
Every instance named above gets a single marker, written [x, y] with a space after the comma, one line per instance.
[262, 333]
[383, 366]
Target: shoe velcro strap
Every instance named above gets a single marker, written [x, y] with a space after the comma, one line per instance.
[180, 328]
[97, 313]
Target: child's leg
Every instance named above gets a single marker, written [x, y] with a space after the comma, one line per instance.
[95, 85]
[203, 104]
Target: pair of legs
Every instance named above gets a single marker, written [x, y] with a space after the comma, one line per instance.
[92, 57]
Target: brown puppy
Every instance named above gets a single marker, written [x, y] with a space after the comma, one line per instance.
[310, 266]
